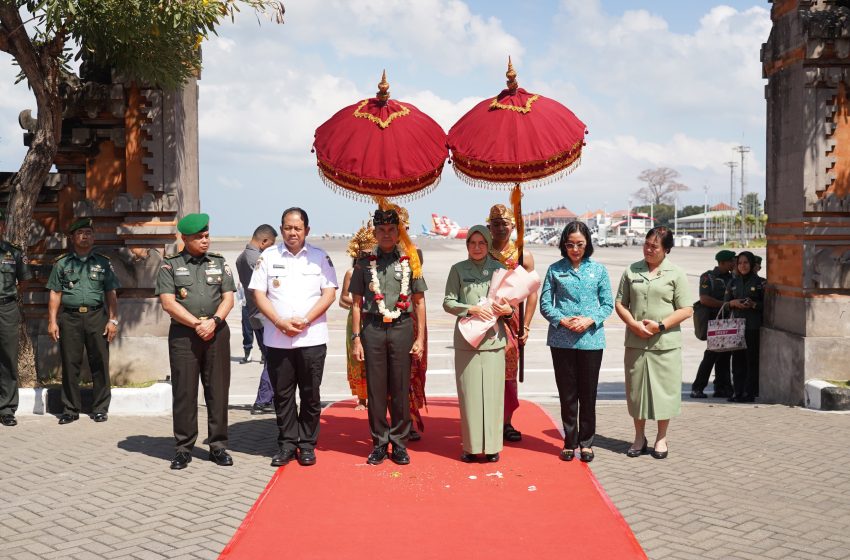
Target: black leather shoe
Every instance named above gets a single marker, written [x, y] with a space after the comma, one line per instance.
[181, 459]
[638, 452]
[261, 408]
[68, 418]
[306, 457]
[8, 420]
[414, 436]
[509, 433]
[283, 457]
[221, 457]
[698, 395]
[586, 456]
[377, 456]
[659, 454]
[722, 393]
[399, 456]
[491, 457]
[100, 417]
[468, 457]
[567, 454]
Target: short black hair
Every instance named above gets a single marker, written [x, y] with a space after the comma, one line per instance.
[664, 235]
[265, 229]
[301, 211]
[576, 227]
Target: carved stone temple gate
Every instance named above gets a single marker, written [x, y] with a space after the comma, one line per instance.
[806, 61]
[128, 158]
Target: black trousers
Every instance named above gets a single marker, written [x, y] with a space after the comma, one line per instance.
[192, 359]
[10, 323]
[301, 367]
[720, 361]
[387, 351]
[577, 377]
[745, 366]
[78, 332]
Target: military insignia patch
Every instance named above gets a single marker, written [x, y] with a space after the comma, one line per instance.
[330, 262]
[276, 283]
[183, 292]
[227, 270]
[258, 263]
[165, 266]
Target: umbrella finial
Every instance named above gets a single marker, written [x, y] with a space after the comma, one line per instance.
[511, 76]
[383, 88]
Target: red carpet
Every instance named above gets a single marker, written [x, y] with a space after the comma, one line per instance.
[528, 505]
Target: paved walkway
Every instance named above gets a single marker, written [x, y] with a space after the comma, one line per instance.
[742, 481]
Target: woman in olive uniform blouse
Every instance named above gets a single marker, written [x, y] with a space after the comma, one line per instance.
[480, 372]
[652, 300]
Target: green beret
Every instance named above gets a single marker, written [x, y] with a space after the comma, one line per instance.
[81, 223]
[724, 255]
[757, 259]
[193, 223]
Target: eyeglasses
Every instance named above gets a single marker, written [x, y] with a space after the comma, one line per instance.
[575, 245]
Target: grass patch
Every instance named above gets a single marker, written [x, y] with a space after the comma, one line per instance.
[845, 384]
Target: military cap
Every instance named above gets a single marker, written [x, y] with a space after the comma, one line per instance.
[193, 223]
[385, 217]
[724, 255]
[81, 223]
[757, 259]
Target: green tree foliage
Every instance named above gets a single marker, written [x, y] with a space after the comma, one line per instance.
[690, 210]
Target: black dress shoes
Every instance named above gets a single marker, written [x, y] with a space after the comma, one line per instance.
[509, 433]
[283, 457]
[414, 436]
[100, 417]
[306, 457]
[659, 454]
[698, 395]
[638, 452]
[491, 458]
[468, 457]
[377, 456]
[567, 454]
[221, 457]
[8, 420]
[586, 456]
[400, 456]
[181, 459]
[68, 418]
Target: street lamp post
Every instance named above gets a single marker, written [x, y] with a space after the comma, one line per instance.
[705, 214]
[743, 151]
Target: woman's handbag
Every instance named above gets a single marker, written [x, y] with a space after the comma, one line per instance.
[726, 334]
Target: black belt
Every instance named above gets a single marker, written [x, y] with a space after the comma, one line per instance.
[378, 318]
[7, 299]
[83, 309]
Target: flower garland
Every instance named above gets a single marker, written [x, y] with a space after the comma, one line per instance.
[403, 303]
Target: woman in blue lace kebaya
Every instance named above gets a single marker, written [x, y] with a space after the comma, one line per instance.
[576, 299]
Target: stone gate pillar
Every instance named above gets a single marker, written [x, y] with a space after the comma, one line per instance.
[806, 61]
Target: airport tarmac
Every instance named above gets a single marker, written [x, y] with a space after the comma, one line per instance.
[439, 255]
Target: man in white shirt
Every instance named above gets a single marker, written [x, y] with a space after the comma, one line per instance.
[293, 284]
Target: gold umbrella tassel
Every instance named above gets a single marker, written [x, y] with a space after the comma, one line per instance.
[516, 204]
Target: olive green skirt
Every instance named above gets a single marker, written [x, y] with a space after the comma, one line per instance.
[653, 383]
[480, 377]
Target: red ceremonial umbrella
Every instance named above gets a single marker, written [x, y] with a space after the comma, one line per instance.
[380, 147]
[516, 139]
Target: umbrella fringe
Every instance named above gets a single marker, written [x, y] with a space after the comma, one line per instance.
[368, 198]
[508, 185]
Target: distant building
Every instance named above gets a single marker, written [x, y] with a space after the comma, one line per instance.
[554, 217]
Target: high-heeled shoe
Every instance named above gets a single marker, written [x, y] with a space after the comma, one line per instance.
[638, 452]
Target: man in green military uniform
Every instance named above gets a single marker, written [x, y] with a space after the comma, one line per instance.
[195, 287]
[385, 290]
[13, 269]
[712, 289]
[81, 282]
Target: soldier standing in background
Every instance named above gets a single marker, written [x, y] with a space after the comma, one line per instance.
[13, 270]
[195, 287]
[80, 283]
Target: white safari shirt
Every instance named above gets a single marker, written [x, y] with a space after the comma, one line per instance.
[294, 283]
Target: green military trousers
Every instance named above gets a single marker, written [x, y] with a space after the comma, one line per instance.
[10, 323]
[77, 332]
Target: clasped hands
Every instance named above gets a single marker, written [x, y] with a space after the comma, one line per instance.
[577, 324]
[205, 329]
[488, 312]
[292, 326]
[645, 329]
[745, 303]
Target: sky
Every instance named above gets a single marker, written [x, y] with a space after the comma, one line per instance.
[661, 83]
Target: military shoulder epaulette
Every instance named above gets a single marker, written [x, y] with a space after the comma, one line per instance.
[172, 256]
[217, 255]
[60, 257]
[104, 256]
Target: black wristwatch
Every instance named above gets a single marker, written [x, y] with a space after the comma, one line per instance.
[217, 319]
[661, 327]
[355, 335]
